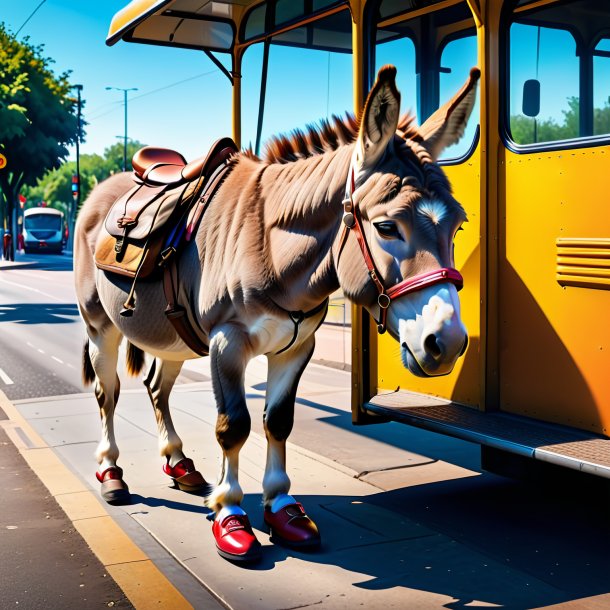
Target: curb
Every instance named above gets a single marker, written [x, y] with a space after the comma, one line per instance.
[134, 572]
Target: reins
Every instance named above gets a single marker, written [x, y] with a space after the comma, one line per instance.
[352, 223]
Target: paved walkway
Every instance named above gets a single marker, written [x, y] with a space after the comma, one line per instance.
[407, 518]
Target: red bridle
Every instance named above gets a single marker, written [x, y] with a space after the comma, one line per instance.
[353, 223]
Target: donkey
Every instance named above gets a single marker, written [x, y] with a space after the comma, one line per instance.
[275, 242]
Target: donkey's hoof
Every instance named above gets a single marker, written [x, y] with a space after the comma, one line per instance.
[185, 477]
[114, 490]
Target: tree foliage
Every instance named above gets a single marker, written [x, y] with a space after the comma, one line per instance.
[55, 187]
[37, 120]
[549, 130]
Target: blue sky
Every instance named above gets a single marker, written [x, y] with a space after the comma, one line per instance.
[187, 116]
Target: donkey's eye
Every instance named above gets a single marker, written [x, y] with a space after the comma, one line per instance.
[388, 229]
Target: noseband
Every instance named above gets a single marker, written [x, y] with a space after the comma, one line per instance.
[352, 223]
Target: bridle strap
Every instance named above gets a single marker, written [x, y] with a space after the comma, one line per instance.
[352, 223]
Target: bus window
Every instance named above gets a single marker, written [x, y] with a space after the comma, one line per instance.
[401, 53]
[559, 72]
[547, 55]
[457, 58]
[601, 87]
[251, 70]
[433, 53]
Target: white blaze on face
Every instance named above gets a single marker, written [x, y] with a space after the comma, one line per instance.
[435, 210]
[430, 328]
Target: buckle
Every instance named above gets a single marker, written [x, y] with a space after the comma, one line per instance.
[383, 300]
[166, 255]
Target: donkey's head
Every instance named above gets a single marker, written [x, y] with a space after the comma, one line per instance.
[400, 264]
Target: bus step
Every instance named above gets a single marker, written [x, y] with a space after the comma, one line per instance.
[578, 450]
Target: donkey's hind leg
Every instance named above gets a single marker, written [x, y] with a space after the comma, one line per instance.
[284, 516]
[159, 382]
[229, 352]
[101, 353]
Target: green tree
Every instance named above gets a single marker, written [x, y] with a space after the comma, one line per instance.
[37, 120]
[55, 187]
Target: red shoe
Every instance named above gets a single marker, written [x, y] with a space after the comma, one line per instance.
[292, 527]
[185, 476]
[114, 490]
[235, 539]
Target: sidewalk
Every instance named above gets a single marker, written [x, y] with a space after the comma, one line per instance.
[407, 518]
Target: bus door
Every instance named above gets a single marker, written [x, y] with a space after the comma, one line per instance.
[433, 49]
[554, 219]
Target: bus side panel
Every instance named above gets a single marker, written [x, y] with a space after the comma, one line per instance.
[555, 339]
[462, 385]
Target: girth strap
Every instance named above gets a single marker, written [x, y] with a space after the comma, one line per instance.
[187, 227]
[298, 317]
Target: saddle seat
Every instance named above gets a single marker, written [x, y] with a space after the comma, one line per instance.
[156, 166]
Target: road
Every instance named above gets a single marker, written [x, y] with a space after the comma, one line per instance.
[408, 518]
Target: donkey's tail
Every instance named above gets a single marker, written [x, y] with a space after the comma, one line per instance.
[135, 360]
[88, 372]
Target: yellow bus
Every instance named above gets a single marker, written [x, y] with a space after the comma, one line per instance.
[532, 172]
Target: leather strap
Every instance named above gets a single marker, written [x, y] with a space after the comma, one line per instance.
[352, 223]
[176, 313]
[297, 318]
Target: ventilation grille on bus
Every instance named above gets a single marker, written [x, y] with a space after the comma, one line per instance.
[584, 262]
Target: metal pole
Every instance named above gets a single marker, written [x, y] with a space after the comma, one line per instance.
[125, 112]
[75, 206]
[125, 139]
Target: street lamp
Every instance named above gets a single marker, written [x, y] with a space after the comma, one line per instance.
[125, 105]
[76, 193]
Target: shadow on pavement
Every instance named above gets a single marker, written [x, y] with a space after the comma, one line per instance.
[480, 540]
[39, 313]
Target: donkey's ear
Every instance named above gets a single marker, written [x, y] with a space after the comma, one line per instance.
[446, 126]
[379, 119]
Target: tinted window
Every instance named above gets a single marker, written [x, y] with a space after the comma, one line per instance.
[546, 55]
[559, 71]
[433, 54]
[37, 222]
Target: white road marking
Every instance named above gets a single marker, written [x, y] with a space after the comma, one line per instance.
[41, 351]
[7, 380]
[46, 294]
[28, 343]
[57, 359]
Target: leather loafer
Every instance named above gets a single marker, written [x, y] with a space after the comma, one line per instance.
[235, 539]
[114, 490]
[185, 476]
[292, 527]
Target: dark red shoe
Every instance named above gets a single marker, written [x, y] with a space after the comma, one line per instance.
[292, 527]
[114, 490]
[185, 476]
[235, 539]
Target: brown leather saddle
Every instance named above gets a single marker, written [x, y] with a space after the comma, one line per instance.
[166, 187]
[147, 226]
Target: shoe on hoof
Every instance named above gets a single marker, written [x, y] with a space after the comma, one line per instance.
[290, 526]
[114, 490]
[234, 537]
[185, 476]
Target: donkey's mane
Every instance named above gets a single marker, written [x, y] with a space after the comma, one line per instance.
[318, 138]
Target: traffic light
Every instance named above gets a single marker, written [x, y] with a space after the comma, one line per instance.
[75, 186]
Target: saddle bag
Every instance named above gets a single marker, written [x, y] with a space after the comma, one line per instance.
[137, 226]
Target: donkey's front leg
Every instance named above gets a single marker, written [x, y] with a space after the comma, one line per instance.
[159, 382]
[229, 353]
[286, 518]
[101, 355]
